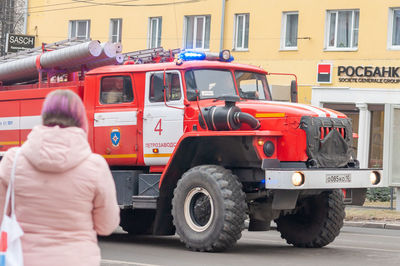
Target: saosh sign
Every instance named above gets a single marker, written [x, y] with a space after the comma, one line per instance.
[16, 42]
[369, 74]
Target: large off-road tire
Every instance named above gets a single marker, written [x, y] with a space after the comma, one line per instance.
[137, 222]
[209, 208]
[317, 221]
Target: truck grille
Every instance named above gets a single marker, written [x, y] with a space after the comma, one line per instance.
[324, 131]
[329, 141]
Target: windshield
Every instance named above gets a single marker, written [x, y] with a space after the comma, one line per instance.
[252, 85]
[213, 83]
[210, 83]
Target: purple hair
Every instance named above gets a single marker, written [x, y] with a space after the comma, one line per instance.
[64, 108]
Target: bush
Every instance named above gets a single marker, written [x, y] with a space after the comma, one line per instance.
[378, 194]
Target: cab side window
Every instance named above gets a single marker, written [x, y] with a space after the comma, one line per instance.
[172, 87]
[116, 89]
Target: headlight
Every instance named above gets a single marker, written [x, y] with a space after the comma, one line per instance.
[375, 177]
[298, 179]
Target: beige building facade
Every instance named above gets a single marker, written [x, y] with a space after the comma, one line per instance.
[345, 54]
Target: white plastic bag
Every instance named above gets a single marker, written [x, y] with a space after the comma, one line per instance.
[10, 230]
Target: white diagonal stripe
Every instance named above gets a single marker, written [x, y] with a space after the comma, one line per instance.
[106, 119]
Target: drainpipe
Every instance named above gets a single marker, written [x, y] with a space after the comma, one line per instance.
[221, 41]
[26, 17]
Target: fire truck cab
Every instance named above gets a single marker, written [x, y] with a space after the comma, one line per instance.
[198, 146]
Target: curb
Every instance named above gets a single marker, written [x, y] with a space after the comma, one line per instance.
[364, 224]
[367, 224]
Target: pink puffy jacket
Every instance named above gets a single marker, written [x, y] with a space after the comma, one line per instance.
[65, 196]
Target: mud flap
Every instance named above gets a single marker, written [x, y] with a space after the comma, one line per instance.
[285, 199]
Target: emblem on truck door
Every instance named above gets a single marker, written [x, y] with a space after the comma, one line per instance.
[115, 137]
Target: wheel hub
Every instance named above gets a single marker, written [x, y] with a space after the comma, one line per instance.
[198, 209]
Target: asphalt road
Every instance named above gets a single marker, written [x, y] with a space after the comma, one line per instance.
[354, 246]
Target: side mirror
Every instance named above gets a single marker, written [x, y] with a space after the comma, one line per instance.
[192, 95]
[293, 91]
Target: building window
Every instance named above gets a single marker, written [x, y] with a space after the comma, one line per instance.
[290, 22]
[79, 29]
[241, 32]
[197, 32]
[394, 29]
[154, 39]
[115, 30]
[342, 29]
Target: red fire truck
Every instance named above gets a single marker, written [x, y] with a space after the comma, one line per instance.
[198, 145]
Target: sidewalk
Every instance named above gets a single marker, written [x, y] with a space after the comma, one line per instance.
[373, 215]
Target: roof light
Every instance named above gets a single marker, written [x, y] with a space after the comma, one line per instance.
[224, 55]
[192, 55]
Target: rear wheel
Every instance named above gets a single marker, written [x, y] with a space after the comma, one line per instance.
[209, 208]
[316, 222]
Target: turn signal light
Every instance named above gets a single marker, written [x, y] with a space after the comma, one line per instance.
[298, 179]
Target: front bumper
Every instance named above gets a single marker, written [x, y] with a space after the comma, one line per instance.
[322, 178]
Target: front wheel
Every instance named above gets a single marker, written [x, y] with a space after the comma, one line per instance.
[316, 222]
[209, 208]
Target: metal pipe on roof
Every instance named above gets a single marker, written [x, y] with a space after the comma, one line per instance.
[63, 59]
[71, 56]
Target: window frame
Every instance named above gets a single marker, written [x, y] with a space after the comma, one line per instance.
[194, 32]
[124, 90]
[391, 17]
[246, 18]
[158, 32]
[328, 29]
[284, 29]
[119, 30]
[70, 28]
[150, 98]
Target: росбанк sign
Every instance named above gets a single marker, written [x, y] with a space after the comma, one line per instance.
[17, 42]
[369, 74]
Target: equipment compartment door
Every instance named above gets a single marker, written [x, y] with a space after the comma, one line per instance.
[162, 120]
[115, 120]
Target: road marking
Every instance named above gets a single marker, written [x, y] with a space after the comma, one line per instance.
[364, 248]
[354, 234]
[330, 245]
[119, 262]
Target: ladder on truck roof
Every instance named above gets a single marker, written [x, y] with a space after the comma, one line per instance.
[44, 48]
[153, 55]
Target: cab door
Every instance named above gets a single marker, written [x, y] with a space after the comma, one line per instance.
[115, 120]
[162, 116]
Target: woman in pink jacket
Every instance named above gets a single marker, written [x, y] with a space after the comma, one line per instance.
[64, 194]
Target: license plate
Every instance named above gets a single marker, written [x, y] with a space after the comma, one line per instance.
[338, 178]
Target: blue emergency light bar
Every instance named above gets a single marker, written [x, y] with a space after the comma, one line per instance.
[224, 55]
